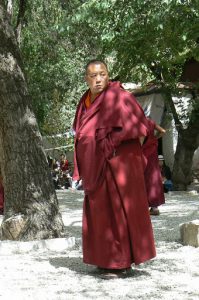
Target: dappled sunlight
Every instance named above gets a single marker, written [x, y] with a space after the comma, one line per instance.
[180, 207]
[71, 215]
[61, 273]
[29, 118]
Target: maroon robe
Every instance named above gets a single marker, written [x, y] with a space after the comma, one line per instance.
[117, 229]
[152, 173]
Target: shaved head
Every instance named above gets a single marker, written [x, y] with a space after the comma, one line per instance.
[95, 62]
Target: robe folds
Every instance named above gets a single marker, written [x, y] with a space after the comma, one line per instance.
[152, 173]
[117, 229]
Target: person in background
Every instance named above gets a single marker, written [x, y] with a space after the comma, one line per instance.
[152, 173]
[64, 172]
[109, 125]
[63, 163]
[166, 175]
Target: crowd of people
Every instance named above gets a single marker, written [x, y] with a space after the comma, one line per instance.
[62, 171]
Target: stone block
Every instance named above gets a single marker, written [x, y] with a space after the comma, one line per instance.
[190, 233]
[11, 228]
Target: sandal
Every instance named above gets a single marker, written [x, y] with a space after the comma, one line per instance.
[154, 211]
[115, 274]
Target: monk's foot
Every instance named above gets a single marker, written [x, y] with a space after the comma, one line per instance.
[99, 269]
[154, 211]
[115, 273]
[1, 211]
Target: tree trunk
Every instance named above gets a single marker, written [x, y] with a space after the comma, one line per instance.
[182, 168]
[20, 19]
[187, 142]
[31, 206]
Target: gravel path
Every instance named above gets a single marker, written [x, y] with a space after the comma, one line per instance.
[53, 269]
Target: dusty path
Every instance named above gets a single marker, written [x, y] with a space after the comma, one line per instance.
[53, 270]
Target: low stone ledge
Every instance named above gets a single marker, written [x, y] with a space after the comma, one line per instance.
[190, 233]
[54, 245]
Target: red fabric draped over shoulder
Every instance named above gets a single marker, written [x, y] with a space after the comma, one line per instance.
[114, 117]
[116, 223]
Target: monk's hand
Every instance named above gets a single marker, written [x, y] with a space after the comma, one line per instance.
[142, 138]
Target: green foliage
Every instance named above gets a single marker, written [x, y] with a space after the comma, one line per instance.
[54, 69]
[146, 39]
[141, 40]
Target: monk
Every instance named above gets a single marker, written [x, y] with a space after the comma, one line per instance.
[109, 125]
[152, 172]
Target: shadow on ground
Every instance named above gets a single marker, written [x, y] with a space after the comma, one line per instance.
[76, 264]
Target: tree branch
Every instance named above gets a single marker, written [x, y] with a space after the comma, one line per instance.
[9, 9]
[20, 19]
[168, 98]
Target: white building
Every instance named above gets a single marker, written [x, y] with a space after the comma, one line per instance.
[153, 105]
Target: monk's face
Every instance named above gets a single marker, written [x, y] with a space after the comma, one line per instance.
[97, 78]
